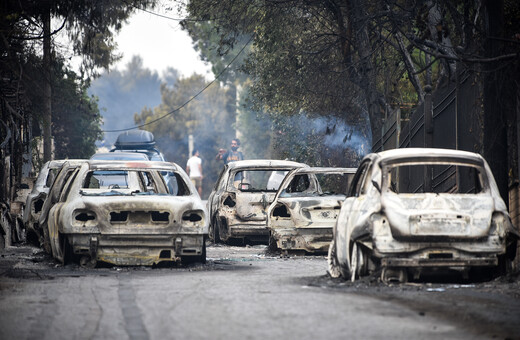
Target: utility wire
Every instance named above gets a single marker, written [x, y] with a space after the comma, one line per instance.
[192, 98]
[162, 15]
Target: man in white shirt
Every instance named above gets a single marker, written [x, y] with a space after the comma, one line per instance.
[194, 170]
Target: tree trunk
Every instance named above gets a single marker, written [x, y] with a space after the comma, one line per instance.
[366, 72]
[47, 90]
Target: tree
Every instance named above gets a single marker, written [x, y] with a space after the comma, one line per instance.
[208, 117]
[314, 55]
[124, 93]
[90, 25]
[322, 56]
[76, 116]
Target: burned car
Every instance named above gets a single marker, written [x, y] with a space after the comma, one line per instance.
[36, 199]
[421, 211]
[126, 213]
[239, 201]
[305, 208]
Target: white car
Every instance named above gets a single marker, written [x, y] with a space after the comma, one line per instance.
[36, 199]
[412, 211]
[126, 213]
[239, 201]
[305, 208]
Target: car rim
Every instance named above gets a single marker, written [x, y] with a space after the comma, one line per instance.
[334, 271]
[354, 263]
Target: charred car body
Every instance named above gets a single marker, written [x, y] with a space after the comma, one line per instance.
[412, 211]
[36, 199]
[306, 207]
[239, 201]
[125, 213]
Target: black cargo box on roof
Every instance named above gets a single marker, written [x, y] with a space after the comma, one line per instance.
[135, 139]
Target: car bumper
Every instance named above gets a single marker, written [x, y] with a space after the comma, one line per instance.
[312, 240]
[439, 263]
[136, 249]
[251, 231]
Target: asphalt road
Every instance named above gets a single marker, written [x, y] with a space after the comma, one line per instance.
[241, 293]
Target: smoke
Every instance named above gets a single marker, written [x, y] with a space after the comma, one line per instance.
[332, 131]
[338, 134]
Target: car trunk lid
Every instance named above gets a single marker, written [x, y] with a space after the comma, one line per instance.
[431, 216]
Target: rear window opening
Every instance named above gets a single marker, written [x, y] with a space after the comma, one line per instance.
[434, 178]
[258, 180]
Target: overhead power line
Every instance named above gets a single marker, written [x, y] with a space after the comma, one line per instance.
[162, 15]
[192, 98]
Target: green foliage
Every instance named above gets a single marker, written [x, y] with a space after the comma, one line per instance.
[284, 79]
[75, 116]
[90, 25]
[323, 56]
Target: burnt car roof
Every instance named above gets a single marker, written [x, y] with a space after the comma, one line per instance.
[57, 163]
[389, 156]
[325, 170]
[263, 163]
[112, 164]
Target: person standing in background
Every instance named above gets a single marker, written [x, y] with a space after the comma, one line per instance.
[194, 170]
[231, 155]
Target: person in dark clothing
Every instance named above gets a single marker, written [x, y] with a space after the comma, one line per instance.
[231, 155]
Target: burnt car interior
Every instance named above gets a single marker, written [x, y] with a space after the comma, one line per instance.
[124, 182]
[256, 180]
[175, 184]
[109, 179]
[327, 184]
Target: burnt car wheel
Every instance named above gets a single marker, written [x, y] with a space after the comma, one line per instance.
[214, 231]
[272, 242]
[66, 249]
[46, 242]
[334, 268]
[223, 231]
[358, 262]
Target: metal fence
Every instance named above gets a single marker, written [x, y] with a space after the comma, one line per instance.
[454, 122]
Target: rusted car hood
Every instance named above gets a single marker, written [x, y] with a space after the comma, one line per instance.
[429, 214]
